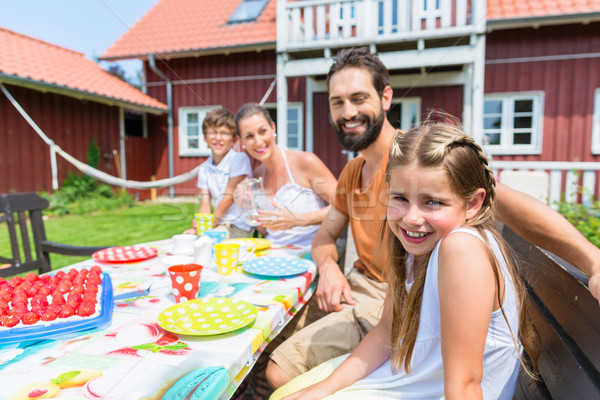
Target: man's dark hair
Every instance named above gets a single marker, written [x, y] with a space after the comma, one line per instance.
[362, 58]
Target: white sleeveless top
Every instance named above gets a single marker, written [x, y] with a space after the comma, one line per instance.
[426, 380]
[299, 200]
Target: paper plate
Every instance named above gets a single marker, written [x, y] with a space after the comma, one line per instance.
[204, 317]
[275, 266]
[125, 254]
[259, 243]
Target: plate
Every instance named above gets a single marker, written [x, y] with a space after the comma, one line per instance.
[204, 317]
[125, 254]
[275, 266]
[52, 331]
[258, 243]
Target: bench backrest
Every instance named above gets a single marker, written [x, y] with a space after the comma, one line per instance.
[567, 318]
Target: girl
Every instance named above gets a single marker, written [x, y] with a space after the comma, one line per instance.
[297, 182]
[453, 323]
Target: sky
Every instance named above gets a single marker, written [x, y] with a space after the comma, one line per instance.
[87, 26]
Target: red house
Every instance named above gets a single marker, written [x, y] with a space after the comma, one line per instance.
[72, 101]
[524, 76]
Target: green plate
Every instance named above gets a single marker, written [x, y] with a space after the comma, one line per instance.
[204, 317]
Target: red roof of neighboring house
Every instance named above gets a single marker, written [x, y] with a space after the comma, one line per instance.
[180, 26]
[25, 60]
[184, 26]
[515, 9]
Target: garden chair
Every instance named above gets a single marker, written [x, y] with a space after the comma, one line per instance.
[30, 249]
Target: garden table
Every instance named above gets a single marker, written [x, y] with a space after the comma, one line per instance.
[137, 358]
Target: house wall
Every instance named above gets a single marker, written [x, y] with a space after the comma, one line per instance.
[225, 80]
[568, 84]
[70, 123]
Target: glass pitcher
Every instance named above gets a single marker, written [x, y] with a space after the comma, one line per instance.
[253, 198]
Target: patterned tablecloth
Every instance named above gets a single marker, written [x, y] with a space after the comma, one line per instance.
[136, 358]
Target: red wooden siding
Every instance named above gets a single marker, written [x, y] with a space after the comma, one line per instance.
[568, 84]
[442, 98]
[71, 123]
[226, 81]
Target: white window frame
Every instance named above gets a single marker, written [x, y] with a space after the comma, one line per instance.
[407, 102]
[202, 150]
[596, 123]
[507, 118]
[300, 108]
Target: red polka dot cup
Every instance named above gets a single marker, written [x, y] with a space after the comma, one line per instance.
[185, 279]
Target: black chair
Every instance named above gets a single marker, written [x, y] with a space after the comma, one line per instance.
[25, 211]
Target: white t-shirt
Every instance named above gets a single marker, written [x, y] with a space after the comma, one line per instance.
[215, 179]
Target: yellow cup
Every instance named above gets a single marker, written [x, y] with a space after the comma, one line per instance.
[204, 222]
[226, 255]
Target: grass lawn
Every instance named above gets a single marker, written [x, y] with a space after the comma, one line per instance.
[138, 224]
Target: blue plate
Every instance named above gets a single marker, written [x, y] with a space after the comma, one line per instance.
[58, 329]
[275, 266]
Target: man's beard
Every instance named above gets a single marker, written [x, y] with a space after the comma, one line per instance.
[353, 142]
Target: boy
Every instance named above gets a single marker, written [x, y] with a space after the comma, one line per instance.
[221, 173]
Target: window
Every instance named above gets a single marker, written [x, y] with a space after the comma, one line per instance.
[405, 113]
[294, 125]
[135, 123]
[512, 123]
[248, 10]
[596, 123]
[191, 141]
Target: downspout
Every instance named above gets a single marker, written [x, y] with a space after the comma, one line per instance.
[161, 74]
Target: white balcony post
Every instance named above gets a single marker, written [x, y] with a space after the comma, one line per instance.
[282, 100]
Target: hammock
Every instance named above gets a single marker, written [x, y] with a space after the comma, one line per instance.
[88, 170]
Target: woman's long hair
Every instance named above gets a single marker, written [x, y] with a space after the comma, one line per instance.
[444, 145]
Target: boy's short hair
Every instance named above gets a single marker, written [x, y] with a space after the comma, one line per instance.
[362, 58]
[217, 118]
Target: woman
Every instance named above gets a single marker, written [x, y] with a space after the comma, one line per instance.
[298, 183]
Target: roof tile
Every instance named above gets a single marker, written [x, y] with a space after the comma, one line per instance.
[515, 9]
[41, 62]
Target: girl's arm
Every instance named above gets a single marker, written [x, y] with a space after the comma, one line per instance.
[371, 352]
[227, 199]
[467, 293]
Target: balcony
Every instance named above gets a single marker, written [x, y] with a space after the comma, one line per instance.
[304, 26]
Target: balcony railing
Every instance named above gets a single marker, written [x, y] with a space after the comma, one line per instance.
[316, 24]
[552, 181]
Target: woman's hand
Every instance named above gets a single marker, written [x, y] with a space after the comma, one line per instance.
[278, 219]
[239, 193]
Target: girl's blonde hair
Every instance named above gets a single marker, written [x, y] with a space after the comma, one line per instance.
[444, 145]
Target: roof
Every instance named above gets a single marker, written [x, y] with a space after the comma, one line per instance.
[36, 64]
[183, 26]
[521, 9]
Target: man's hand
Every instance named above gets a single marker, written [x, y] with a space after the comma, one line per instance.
[332, 286]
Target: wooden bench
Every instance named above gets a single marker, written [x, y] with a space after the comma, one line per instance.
[567, 318]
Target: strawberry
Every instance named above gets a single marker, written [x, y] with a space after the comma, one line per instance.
[67, 311]
[30, 318]
[38, 299]
[4, 307]
[9, 320]
[96, 270]
[39, 309]
[49, 315]
[44, 291]
[31, 277]
[15, 281]
[59, 275]
[86, 309]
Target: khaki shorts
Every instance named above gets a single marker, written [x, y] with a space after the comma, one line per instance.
[336, 333]
[233, 232]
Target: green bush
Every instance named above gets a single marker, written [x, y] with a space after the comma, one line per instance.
[585, 219]
[82, 194]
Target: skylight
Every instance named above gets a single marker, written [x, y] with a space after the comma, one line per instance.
[248, 10]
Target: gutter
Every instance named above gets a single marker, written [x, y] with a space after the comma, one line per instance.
[161, 74]
[537, 21]
[42, 86]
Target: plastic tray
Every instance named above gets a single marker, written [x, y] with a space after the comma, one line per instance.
[37, 332]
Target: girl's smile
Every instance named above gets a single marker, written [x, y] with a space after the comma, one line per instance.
[423, 207]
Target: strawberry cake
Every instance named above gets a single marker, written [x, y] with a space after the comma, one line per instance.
[46, 300]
